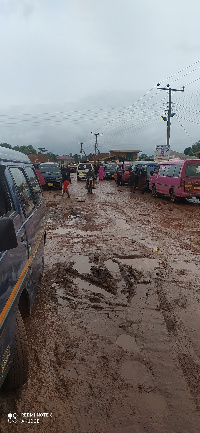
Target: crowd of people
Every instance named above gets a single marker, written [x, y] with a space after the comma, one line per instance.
[137, 178]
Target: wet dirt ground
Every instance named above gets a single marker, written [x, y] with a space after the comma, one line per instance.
[114, 333]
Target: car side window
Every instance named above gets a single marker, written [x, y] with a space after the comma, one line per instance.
[34, 184]
[25, 195]
[177, 170]
[171, 171]
[6, 204]
[164, 170]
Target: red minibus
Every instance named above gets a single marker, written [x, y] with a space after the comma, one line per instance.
[176, 178]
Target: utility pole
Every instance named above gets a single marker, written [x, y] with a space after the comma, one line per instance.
[95, 145]
[170, 114]
[82, 151]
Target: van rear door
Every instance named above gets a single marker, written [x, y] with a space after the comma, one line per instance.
[191, 176]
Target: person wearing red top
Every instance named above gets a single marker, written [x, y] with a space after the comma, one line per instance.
[65, 187]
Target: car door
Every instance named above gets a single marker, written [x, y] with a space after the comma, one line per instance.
[12, 263]
[32, 224]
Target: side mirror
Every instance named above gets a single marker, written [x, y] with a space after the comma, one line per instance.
[8, 239]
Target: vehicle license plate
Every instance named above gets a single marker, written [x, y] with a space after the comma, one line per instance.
[50, 184]
[196, 187]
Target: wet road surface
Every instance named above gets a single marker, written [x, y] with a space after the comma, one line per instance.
[114, 333]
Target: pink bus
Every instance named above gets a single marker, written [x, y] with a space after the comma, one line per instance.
[176, 178]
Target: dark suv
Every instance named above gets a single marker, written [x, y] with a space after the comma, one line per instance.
[52, 175]
[109, 170]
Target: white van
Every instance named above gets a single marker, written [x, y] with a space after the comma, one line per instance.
[82, 170]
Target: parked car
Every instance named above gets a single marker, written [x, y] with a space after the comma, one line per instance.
[22, 237]
[52, 175]
[109, 170]
[82, 170]
[177, 179]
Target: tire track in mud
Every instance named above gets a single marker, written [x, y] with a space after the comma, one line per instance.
[185, 352]
[168, 227]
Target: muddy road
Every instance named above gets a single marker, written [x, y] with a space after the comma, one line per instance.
[114, 334]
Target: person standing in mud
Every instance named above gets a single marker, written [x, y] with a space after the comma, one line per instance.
[119, 174]
[142, 181]
[132, 180]
[65, 186]
[66, 174]
[136, 175]
[96, 169]
[101, 171]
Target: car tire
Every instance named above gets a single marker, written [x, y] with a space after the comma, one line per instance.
[18, 372]
[154, 192]
[173, 197]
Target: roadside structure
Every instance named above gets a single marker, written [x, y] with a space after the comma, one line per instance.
[38, 158]
[65, 160]
[124, 155]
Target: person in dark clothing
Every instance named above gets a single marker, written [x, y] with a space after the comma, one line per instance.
[136, 174]
[89, 174]
[142, 181]
[132, 180]
[119, 175]
[66, 174]
[96, 169]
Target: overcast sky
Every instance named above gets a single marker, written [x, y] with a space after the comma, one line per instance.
[72, 67]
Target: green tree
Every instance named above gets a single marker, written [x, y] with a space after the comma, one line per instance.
[144, 157]
[188, 151]
[42, 149]
[52, 156]
[28, 150]
[8, 146]
[194, 150]
[76, 158]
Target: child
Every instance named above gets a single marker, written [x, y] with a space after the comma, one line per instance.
[65, 187]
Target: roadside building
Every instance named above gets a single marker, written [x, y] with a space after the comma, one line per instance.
[99, 157]
[124, 155]
[39, 158]
[65, 160]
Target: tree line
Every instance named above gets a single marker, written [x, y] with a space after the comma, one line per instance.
[194, 150]
[29, 150]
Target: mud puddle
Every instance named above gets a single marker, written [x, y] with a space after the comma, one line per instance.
[141, 264]
[81, 264]
[127, 343]
[82, 284]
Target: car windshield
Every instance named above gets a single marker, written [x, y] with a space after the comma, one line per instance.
[127, 167]
[84, 166]
[49, 169]
[192, 170]
[110, 167]
[150, 168]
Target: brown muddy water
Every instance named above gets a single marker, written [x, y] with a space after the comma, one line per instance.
[114, 333]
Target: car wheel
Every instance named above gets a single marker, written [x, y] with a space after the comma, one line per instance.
[172, 196]
[154, 192]
[18, 373]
